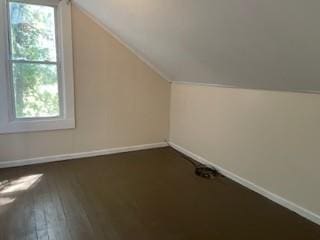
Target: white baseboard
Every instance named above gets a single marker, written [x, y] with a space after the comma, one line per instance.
[264, 192]
[64, 157]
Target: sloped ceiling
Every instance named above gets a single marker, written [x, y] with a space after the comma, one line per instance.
[264, 44]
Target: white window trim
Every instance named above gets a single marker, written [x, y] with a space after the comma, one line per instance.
[66, 90]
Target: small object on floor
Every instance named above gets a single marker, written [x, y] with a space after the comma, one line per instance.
[202, 170]
[206, 172]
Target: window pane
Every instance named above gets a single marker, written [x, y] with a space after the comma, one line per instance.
[32, 29]
[35, 90]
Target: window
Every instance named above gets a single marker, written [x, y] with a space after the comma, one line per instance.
[36, 69]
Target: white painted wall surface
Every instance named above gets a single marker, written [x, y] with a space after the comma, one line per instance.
[269, 138]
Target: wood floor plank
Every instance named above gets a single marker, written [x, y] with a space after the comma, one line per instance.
[78, 223]
[94, 203]
[9, 209]
[59, 224]
[50, 211]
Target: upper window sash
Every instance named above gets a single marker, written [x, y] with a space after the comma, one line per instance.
[40, 2]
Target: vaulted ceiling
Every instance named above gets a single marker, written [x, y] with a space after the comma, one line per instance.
[266, 44]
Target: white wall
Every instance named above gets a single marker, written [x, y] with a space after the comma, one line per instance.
[119, 101]
[269, 138]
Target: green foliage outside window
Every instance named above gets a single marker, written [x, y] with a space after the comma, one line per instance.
[33, 53]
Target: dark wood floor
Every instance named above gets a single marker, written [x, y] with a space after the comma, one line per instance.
[135, 196]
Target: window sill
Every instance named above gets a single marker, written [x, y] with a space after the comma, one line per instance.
[22, 126]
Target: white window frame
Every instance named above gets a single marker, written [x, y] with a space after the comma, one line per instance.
[8, 121]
